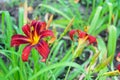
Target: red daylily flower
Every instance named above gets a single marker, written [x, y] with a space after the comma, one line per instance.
[82, 34]
[118, 57]
[34, 34]
[118, 67]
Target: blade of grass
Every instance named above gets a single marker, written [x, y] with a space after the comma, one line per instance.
[56, 50]
[103, 64]
[110, 12]
[66, 29]
[55, 10]
[112, 40]
[115, 20]
[3, 66]
[101, 25]
[12, 71]
[25, 12]
[94, 20]
[62, 64]
[8, 27]
[74, 74]
[2, 22]
[66, 58]
[8, 51]
[100, 29]
[102, 48]
[21, 18]
[69, 11]
[93, 4]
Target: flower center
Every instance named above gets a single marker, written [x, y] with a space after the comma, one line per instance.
[35, 40]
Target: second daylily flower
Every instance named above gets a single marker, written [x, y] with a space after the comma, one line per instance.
[118, 57]
[81, 34]
[34, 34]
[83, 39]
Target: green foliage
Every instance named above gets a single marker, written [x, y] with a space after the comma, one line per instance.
[112, 40]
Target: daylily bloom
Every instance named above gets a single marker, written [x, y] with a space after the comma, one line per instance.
[35, 32]
[82, 34]
[118, 57]
[118, 67]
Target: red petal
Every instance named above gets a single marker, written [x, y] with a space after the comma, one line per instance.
[71, 34]
[26, 52]
[118, 55]
[18, 39]
[46, 33]
[33, 23]
[43, 26]
[82, 34]
[118, 67]
[43, 49]
[26, 29]
[92, 39]
[38, 26]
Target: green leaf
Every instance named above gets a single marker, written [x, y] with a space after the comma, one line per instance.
[62, 64]
[94, 21]
[94, 58]
[103, 64]
[56, 50]
[110, 12]
[112, 40]
[55, 10]
[12, 71]
[21, 18]
[3, 66]
[8, 28]
[102, 48]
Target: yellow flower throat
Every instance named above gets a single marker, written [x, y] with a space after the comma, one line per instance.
[34, 37]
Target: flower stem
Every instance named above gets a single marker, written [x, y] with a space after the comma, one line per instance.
[81, 42]
[68, 71]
